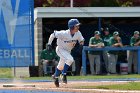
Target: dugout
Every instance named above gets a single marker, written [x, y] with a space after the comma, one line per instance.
[47, 19]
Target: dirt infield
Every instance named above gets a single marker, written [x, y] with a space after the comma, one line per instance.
[71, 87]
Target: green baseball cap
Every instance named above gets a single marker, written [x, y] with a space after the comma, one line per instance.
[136, 32]
[97, 33]
[116, 33]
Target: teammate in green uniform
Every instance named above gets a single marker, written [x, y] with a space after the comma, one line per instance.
[106, 39]
[48, 58]
[115, 41]
[94, 56]
[133, 57]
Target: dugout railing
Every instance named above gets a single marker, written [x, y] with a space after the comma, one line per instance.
[86, 48]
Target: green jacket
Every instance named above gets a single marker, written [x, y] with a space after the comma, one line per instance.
[112, 42]
[134, 40]
[106, 39]
[49, 55]
[93, 41]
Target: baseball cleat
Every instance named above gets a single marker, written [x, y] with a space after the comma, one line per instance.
[64, 79]
[56, 81]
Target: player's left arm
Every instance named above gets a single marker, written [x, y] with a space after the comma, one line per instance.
[82, 42]
[101, 44]
[81, 39]
[119, 42]
[137, 44]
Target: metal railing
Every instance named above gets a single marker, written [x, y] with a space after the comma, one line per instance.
[86, 48]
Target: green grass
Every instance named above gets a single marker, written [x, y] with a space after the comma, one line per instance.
[5, 73]
[129, 86]
[89, 77]
[103, 77]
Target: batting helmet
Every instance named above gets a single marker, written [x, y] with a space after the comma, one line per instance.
[72, 23]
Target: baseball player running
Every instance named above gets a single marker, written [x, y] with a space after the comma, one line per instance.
[66, 40]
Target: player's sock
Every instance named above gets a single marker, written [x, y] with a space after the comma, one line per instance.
[64, 71]
[57, 72]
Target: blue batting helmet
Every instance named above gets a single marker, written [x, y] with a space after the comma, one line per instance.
[72, 23]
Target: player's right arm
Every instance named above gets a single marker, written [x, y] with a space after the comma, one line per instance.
[133, 43]
[92, 45]
[55, 34]
[51, 38]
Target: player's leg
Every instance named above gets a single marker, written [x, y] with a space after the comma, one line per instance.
[91, 61]
[44, 67]
[58, 72]
[61, 63]
[98, 64]
[115, 63]
[59, 68]
[105, 58]
[68, 61]
[112, 65]
[130, 60]
[135, 62]
[109, 63]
